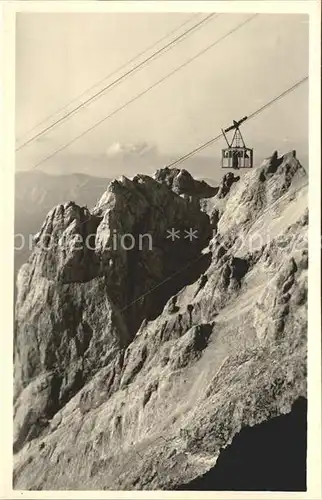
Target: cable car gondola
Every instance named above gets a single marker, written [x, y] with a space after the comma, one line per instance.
[236, 155]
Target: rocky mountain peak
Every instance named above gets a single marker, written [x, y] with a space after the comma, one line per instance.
[182, 183]
[172, 312]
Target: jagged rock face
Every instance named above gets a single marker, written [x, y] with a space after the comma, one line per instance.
[181, 182]
[84, 292]
[224, 348]
[36, 192]
[147, 210]
[226, 183]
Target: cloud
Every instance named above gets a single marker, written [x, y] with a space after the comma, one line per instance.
[119, 150]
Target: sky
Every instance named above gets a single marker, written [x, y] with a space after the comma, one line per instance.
[61, 55]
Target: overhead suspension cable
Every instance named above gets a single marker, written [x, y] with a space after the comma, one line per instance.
[120, 79]
[252, 115]
[138, 96]
[107, 77]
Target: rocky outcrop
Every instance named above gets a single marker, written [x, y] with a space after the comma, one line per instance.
[226, 183]
[134, 368]
[181, 182]
[36, 192]
[94, 277]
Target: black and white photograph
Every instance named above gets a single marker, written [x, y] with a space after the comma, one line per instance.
[162, 162]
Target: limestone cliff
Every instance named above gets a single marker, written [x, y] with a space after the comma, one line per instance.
[135, 366]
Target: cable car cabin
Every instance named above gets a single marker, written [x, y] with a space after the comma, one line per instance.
[237, 154]
[237, 158]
